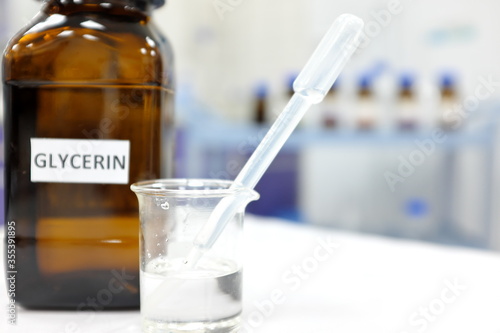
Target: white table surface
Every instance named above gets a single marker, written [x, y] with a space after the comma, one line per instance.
[364, 284]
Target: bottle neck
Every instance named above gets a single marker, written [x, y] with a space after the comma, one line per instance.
[132, 7]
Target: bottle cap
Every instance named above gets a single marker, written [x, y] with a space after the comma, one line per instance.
[448, 80]
[364, 81]
[261, 90]
[406, 80]
[291, 79]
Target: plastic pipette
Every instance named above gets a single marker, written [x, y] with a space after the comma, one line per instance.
[311, 86]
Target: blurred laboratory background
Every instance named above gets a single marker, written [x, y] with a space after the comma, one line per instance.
[404, 145]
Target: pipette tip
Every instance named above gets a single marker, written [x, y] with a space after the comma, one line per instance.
[193, 257]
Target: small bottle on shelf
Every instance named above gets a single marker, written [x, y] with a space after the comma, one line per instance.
[407, 113]
[448, 99]
[331, 113]
[260, 113]
[366, 105]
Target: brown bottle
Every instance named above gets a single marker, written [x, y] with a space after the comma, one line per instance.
[366, 104]
[260, 113]
[407, 104]
[448, 102]
[88, 111]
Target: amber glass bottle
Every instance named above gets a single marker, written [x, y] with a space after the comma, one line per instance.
[88, 89]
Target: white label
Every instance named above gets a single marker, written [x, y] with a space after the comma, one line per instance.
[80, 161]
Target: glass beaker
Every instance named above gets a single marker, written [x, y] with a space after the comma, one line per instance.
[174, 296]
